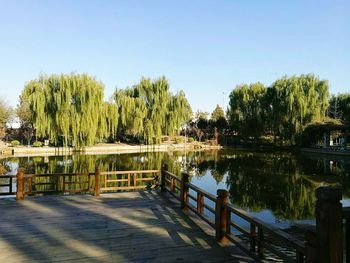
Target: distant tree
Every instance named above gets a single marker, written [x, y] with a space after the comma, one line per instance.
[24, 115]
[6, 114]
[334, 108]
[282, 110]
[218, 119]
[339, 107]
[202, 120]
[148, 110]
[217, 113]
[246, 111]
[298, 101]
[65, 108]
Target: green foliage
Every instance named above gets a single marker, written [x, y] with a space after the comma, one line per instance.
[282, 110]
[246, 109]
[165, 138]
[15, 143]
[297, 101]
[24, 115]
[148, 110]
[314, 131]
[218, 119]
[179, 140]
[37, 144]
[67, 108]
[190, 139]
[6, 114]
[217, 113]
[202, 120]
[339, 107]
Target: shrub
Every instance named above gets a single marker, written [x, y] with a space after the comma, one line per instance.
[190, 139]
[165, 138]
[15, 143]
[178, 140]
[37, 144]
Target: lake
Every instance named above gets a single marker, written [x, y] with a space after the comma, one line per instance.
[276, 187]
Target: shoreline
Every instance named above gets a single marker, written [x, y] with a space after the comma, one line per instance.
[103, 149]
[23, 151]
[294, 149]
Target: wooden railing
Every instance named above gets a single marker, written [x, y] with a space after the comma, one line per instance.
[7, 185]
[259, 233]
[323, 243]
[95, 183]
[346, 218]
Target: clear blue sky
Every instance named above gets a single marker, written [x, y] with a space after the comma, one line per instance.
[202, 47]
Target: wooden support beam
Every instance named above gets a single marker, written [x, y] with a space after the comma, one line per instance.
[329, 232]
[252, 237]
[184, 191]
[10, 186]
[260, 242]
[200, 203]
[222, 224]
[163, 175]
[97, 181]
[20, 184]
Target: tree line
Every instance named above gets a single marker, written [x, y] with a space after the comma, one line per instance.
[69, 109]
[282, 110]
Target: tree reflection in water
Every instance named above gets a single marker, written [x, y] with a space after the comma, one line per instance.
[283, 183]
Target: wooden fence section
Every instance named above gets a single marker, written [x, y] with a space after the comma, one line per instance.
[95, 183]
[7, 185]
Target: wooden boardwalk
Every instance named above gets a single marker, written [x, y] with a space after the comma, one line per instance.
[144, 226]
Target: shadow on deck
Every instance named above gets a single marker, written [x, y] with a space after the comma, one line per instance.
[145, 226]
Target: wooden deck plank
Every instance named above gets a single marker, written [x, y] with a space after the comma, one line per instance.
[121, 227]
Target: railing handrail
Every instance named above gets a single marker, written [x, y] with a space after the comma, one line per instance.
[57, 174]
[91, 173]
[202, 191]
[130, 172]
[172, 175]
[276, 232]
[7, 176]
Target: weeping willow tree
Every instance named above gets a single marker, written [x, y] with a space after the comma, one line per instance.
[149, 110]
[69, 109]
[109, 120]
[298, 101]
[247, 109]
[283, 109]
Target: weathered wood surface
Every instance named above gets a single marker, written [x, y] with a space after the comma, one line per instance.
[121, 227]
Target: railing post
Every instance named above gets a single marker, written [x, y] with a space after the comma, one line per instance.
[310, 246]
[252, 237]
[97, 181]
[172, 185]
[163, 182]
[200, 203]
[347, 240]
[300, 257]
[184, 191]
[222, 224]
[260, 243]
[329, 232]
[10, 186]
[20, 184]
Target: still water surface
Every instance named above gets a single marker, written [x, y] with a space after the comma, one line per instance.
[277, 187]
